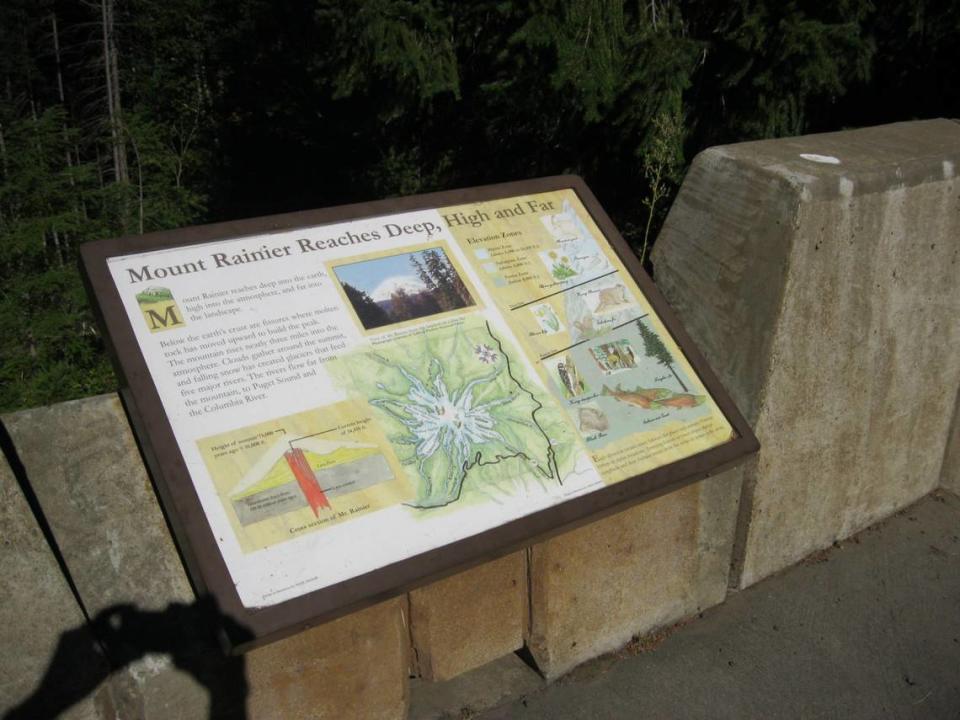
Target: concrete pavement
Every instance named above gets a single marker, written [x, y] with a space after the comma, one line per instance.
[867, 629]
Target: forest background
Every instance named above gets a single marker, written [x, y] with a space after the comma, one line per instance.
[127, 116]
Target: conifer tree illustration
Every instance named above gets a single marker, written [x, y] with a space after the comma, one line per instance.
[654, 348]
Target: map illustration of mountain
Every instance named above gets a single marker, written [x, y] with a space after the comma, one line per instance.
[306, 472]
[464, 418]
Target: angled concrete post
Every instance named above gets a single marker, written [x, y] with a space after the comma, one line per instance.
[950, 473]
[36, 606]
[819, 276]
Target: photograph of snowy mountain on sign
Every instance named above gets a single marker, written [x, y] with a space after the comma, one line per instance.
[396, 288]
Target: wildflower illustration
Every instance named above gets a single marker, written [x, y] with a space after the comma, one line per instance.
[547, 318]
[560, 266]
[485, 354]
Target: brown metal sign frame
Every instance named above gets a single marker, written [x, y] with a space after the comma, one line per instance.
[198, 546]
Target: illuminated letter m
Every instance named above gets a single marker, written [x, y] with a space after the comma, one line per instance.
[166, 321]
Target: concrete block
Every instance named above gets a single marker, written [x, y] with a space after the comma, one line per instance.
[819, 277]
[950, 473]
[353, 667]
[85, 468]
[594, 588]
[469, 619]
[37, 612]
[506, 678]
[86, 471]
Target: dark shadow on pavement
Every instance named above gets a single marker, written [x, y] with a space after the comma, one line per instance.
[122, 634]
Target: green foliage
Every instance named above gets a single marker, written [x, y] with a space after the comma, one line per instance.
[370, 314]
[229, 108]
[776, 62]
[662, 167]
[654, 348]
[405, 44]
[608, 54]
[153, 295]
[156, 172]
[48, 346]
[58, 190]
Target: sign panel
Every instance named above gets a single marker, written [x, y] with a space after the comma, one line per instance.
[340, 405]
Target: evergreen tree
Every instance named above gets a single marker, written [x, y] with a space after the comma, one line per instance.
[422, 272]
[84, 154]
[49, 348]
[125, 117]
[401, 306]
[653, 347]
[774, 68]
[371, 315]
[444, 281]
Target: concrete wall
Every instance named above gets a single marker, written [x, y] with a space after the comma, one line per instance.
[36, 606]
[825, 295]
[658, 562]
[84, 467]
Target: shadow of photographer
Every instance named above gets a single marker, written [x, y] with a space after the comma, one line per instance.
[122, 634]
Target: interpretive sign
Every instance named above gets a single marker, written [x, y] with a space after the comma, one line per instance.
[338, 405]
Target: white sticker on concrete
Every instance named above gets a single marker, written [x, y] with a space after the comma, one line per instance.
[825, 159]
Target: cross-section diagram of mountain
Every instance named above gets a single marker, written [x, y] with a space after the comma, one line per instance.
[302, 473]
[308, 472]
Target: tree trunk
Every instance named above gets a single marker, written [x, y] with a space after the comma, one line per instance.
[113, 92]
[83, 199]
[136, 155]
[36, 125]
[56, 246]
[56, 55]
[99, 166]
[115, 74]
[3, 153]
[3, 164]
[670, 366]
[63, 100]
